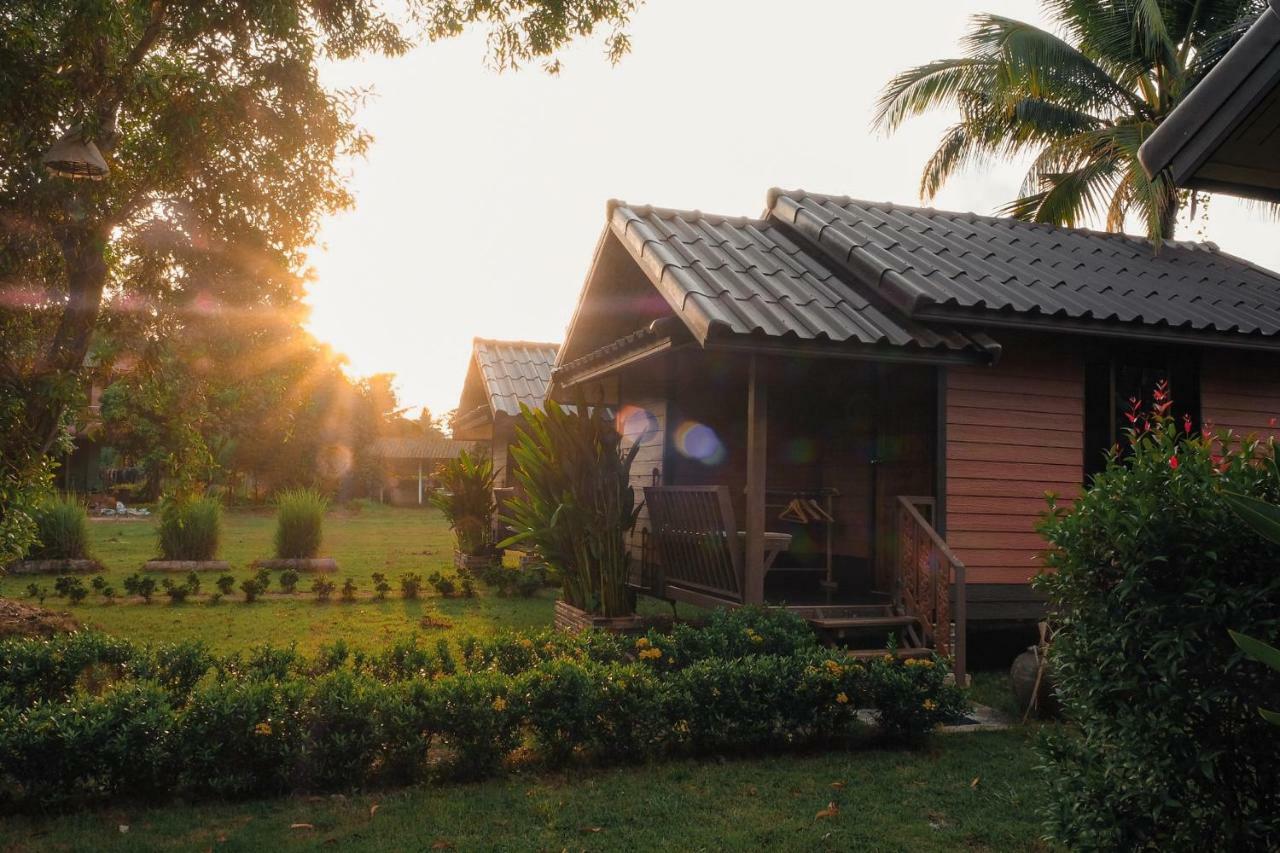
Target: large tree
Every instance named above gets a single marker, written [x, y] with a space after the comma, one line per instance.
[224, 151]
[1080, 102]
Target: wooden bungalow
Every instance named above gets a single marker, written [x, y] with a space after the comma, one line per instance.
[411, 462]
[857, 409]
[500, 377]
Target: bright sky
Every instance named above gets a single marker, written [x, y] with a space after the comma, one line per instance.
[481, 200]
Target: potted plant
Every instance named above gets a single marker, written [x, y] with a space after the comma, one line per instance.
[466, 499]
[299, 532]
[575, 507]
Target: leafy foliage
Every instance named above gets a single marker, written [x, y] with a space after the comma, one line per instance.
[62, 530]
[576, 504]
[1151, 570]
[190, 528]
[466, 500]
[299, 523]
[1080, 103]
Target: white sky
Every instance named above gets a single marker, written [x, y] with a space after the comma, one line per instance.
[481, 200]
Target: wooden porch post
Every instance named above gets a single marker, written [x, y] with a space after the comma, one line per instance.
[757, 439]
[419, 482]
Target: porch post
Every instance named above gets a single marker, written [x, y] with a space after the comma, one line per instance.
[419, 482]
[757, 438]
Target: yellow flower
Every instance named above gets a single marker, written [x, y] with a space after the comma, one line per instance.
[888, 658]
[682, 727]
[526, 642]
[642, 643]
[930, 705]
[834, 668]
[263, 728]
[650, 654]
[842, 698]
[671, 661]
[499, 704]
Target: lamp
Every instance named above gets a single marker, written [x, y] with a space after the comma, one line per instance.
[73, 156]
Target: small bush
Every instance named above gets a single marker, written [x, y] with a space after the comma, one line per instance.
[190, 529]
[225, 584]
[380, 585]
[36, 591]
[299, 523]
[349, 590]
[71, 588]
[140, 585]
[177, 592]
[193, 582]
[252, 588]
[323, 588]
[410, 584]
[62, 531]
[289, 581]
[442, 584]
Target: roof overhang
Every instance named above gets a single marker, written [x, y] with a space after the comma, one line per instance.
[1223, 136]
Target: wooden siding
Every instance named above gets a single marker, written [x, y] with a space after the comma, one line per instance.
[1241, 392]
[646, 469]
[1013, 432]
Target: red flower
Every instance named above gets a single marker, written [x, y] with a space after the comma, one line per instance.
[1173, 462]
[1186, 424]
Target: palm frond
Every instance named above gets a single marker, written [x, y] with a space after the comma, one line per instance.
[926, 87]
[1070, 196]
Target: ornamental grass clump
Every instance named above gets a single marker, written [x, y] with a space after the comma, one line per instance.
[576, 504]
[466, 499]
[62, 530]
[190, 528]
[1151, 569]
[299, 523]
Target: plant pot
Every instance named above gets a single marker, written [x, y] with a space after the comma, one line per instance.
[53, 567]
[1023, 674]
[574, 619]
[299, 564]
[471, 562]
[186, 566]
[514, 559]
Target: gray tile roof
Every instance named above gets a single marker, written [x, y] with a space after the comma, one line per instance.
[514, 372]
[746, 276]
[952, 265]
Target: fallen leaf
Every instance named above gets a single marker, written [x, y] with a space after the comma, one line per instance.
[974, 783]
[832, 809]
[587, 829]
[839, 786]
[373, 810]
[441, 844]
[124, 827]
[301, 826]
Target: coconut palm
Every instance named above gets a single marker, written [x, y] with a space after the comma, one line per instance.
[1081, 103]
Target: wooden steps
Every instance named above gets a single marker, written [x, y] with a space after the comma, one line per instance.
[870, 627]
[901, 654]
[864, 623]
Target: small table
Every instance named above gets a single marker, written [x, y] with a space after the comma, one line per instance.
[774, 544]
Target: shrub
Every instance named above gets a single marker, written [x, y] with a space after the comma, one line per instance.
[323, 588]
[349, 590]
[36, 591]
[62, 530]
[140, 585]
[380, 585]
[225, 584]
[252, 588]
[263, 577]
[289, 581]
[410, 583]
[190, 528]
[1152, 568]
[443, 584]
[480, 719]
[193, 582]
[70, 587]
[466, 500]
[299, 523]
[177, 592]
[576, 504]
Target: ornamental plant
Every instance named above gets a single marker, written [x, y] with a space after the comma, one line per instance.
[465, 498]
[1148, 572]
[299, 523]
[62, 530]
[190, 528]
[576, 504]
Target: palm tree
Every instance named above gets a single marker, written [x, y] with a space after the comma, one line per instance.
[1081, 103]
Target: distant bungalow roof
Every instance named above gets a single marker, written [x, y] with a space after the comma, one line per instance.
[509, 373]
[1225, 135]
[411, 447]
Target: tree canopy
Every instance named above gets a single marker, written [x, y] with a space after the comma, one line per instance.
[1080, 102]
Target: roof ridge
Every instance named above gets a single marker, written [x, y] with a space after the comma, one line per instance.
[510, 342]
[774, 193]
[643, 210]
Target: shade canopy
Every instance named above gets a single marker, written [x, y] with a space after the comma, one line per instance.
[73, 156]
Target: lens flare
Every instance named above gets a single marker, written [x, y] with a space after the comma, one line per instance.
[801, 451]
[699, 441]
[633, 422]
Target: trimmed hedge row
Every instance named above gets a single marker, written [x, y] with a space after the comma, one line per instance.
[154, 722]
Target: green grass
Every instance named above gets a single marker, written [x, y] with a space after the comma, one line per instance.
[378, 539]
[969, 792]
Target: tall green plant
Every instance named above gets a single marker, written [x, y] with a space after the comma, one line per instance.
[1264, 518]
[299, 523]
[62, 530]
[466, 499]
[577, 504]
[190, 528]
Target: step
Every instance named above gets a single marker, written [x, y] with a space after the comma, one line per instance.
[900, 653]
[868, 623]
[840, 611]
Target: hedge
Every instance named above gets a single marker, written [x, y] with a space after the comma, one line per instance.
[177, 720]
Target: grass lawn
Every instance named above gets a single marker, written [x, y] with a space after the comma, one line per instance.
[377, 539]
[965, 792]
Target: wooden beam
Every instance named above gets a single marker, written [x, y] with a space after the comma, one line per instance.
[757, 454]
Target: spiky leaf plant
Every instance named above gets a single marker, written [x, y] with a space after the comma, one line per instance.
[466, 499]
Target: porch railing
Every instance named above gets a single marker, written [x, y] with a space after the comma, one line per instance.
[695, 535]
[928, 575]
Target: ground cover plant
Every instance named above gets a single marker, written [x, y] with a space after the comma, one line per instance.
[299, 523]
[272, 720]
[1153, 570]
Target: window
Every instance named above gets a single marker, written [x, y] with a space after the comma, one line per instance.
[1122, 374]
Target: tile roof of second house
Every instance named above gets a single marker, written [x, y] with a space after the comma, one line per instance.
[934, 261]
[745, 276]
[514, 372]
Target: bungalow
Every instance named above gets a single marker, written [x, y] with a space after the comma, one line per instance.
[411, 462]
[501, 376]
[883, 395]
